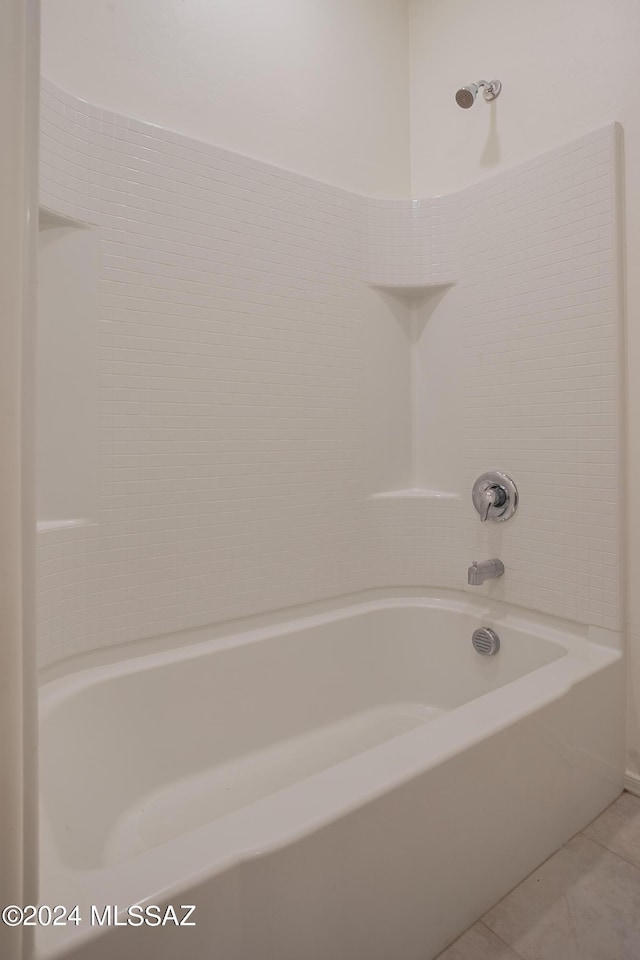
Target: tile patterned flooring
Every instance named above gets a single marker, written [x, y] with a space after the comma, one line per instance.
[583, 903]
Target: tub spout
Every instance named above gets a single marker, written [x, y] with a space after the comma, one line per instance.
[485, 570]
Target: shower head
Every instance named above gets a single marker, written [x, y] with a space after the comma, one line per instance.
[466, 96]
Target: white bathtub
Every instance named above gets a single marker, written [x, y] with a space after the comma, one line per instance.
[355, 784]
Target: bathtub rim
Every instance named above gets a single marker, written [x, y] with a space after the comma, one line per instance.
[232, 632]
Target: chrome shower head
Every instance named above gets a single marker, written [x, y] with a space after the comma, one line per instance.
[466, 96]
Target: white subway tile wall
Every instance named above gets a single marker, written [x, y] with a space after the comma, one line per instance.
[539, 274]
[411, 242]
[542, 367]
[231, 352]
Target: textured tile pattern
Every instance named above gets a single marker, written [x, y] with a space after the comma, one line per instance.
[70, 585]
[538, 277]
[230, 381]
[417, 541]
[411, 242]
[231, 356]
[540, 320]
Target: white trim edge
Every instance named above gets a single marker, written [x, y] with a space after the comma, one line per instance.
[632, 783]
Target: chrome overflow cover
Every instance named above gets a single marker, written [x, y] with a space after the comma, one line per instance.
[495, 496]
[485, 641]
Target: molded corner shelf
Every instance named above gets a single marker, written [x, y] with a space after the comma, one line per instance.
[411, 289]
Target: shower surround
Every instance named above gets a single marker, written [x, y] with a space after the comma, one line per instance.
[234, 472]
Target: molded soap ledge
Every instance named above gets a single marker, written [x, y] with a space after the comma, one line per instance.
[415, 493]
[48, 219]
[42, 526]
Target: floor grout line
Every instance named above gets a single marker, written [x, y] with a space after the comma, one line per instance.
[620, 856]
[501, 939]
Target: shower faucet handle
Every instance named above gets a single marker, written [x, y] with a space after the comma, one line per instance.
[495, 496]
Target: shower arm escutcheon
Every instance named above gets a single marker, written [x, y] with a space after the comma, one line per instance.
[490, 89]
[495, 496]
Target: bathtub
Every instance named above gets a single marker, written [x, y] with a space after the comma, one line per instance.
[353, 782]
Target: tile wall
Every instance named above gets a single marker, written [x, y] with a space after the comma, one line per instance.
[232, 463]
[540, 318]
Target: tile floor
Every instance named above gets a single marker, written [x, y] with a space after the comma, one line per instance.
[581, 904]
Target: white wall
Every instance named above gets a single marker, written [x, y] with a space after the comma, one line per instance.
[19, 36]
[566, 68]
[316, 86]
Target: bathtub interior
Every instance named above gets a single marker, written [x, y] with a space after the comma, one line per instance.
[169, 742]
